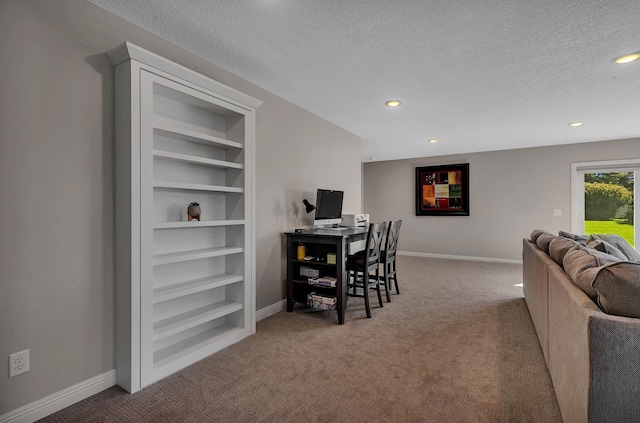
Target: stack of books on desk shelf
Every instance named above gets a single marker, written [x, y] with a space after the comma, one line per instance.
[321, 302]
[327, 281]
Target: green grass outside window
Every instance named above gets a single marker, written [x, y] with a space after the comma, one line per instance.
[619, 227]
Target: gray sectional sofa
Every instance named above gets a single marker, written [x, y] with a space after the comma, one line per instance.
[593, 356]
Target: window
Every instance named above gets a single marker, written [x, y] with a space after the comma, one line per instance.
[603, 198]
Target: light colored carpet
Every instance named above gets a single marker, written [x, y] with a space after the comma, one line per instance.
[457, 345]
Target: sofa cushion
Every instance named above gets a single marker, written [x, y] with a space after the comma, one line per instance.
[618, 289]
[582, 264]
[559, 246]
[535, 234]
[621, 244]
[605, 247]
[544, 240]
[578, 238]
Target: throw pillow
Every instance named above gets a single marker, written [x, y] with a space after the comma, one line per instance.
[582, 264]
[535, 234]
[578, 238]
[621, 244]
[544, 240]
[618, 288]
[606, 247]
[559, 246]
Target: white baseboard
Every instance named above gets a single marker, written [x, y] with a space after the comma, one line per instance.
[56, 402]
[453, 257]
[271, 310]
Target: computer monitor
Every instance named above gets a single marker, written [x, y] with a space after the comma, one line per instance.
[328, 207]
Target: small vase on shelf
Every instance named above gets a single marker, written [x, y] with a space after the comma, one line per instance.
[193, 211]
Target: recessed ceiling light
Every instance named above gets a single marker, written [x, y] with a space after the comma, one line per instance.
[576, 124]
[433, 140]
[627, 58]
[392, 103]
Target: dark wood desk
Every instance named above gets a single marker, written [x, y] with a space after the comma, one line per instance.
[318, 243]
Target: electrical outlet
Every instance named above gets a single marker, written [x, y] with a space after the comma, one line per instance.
[18, 363]
[557, 212]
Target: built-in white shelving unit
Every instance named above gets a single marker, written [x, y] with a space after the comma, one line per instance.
[184, 289]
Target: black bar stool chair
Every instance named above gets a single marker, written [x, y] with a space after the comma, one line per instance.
[363, 267]
[388, 257]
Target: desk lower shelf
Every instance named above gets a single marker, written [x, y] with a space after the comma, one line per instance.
[319, 244]
[302, 288]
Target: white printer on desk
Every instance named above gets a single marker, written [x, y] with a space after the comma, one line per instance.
[354, 220]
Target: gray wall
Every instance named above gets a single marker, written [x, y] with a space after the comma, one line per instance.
[512, 192]
[57, 187]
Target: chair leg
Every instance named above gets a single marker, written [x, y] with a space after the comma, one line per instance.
[346, 287]
[377, 276]
[387, 291]
[365, 278]
[387, 283]
[395, 276]
[354, 285]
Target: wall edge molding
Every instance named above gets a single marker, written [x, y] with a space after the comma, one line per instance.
[267, 311]
[59, 400]
[455, 257]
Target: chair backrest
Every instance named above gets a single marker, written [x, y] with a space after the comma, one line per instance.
[391, 243]
[374, 243]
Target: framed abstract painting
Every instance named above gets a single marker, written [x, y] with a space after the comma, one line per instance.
[442, 190]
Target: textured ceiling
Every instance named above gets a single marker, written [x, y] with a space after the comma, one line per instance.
[478, 75]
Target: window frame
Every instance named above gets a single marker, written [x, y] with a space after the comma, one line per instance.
[578, 169]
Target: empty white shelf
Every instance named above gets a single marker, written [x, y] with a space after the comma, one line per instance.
[168, 258]
[195, 187]
[176, 129]
[169, 292]
[173, 353]
[185, 321]
[188, 158]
